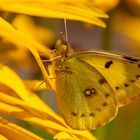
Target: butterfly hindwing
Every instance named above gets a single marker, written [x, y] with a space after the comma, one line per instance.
[121, 72]
[84, 97]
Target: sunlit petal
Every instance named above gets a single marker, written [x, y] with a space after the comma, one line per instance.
[129, 27]
[15, 132]
[35, 85]
[20, 89]
[17, 37]
[27, 25]
[2, 137]
[81, 11]
[105, 5]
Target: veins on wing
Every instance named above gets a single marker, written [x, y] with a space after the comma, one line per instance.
[63, 71]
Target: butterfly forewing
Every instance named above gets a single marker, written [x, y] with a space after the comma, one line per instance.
[84, 97]
[121, 72]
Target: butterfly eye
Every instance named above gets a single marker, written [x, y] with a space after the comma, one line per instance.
[63, 47]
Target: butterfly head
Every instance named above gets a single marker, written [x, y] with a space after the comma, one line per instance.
[62, 47]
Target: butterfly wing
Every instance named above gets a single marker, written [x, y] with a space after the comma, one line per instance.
[84, 102]
[121, 72]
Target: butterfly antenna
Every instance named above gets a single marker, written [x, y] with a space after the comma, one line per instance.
[66, 31]
[65, 36]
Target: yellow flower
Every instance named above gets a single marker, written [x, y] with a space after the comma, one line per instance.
[105, 5]
[15, 132]
[27, 25]
[21, 103]
[41, 34]
[134, 6]
[69, 9]
[126, 21]
[18, 100]
[129, 27]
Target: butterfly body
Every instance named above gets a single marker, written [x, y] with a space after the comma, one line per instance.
[91, 85]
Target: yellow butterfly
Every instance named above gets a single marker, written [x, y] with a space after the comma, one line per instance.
[91, 85]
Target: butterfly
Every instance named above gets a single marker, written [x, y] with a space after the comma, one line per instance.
[91, 85]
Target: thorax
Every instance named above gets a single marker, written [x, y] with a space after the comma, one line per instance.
[60, 67]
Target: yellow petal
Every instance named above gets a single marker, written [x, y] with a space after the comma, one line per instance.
[14, 107]
[133, 6]
[72, 10]
[130, 27]
[64, 136]
[39, 112]
[27, 116]
[13, 132]
[35, 85]
[27, 25]
[2, 137]
[16, 84]
[105, 5]
[18, 38]
[44, 72]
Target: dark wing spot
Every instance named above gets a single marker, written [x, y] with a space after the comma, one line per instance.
[132, 80]
[139, 65]
[74, 114]
[69, 72]
[92, 114]
[105, 104]
[126, 85]
[56, 72]
[102, 81]
[83, 115]
[134, 98]
[98, 109]
[117, 88]
[107, 95]
[67, 67]
[131, 59]
[90, 92]
[137, 76]
[108, 64]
